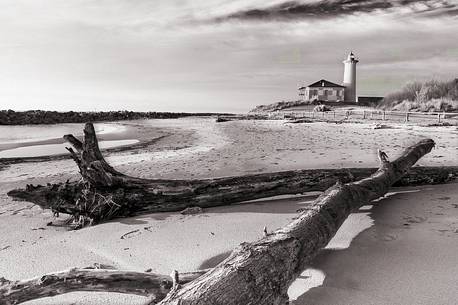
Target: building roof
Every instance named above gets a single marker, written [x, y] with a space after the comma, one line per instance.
[325, 83]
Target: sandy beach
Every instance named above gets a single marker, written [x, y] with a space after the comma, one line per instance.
[399, 250]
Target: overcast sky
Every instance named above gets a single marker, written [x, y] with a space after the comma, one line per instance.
[213, 55]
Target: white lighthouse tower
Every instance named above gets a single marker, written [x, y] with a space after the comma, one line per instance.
[349, 80]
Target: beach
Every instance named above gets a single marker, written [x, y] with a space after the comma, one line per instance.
[399, 250]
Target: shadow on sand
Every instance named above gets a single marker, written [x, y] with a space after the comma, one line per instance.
[369, 270]
[276, 205]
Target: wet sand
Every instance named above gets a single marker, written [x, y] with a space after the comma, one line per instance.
[113, 137]
[407, 241]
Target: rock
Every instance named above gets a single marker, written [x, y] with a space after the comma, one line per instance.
[322, 108]
[192, 211]
[381, 126]
[221, 119]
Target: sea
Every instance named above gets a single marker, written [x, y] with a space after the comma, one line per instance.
[22, 141]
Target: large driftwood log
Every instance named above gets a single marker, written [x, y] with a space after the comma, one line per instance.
[256, 273]
[146, 284]
[261, 272]
[105, 193]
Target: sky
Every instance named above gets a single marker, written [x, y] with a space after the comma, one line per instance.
[213, 55]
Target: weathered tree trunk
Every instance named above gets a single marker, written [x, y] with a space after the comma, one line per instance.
[260, 273]
[256, 273]
[147, 284]
[106, 193]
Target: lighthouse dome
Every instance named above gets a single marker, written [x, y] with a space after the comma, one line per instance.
[351, 56]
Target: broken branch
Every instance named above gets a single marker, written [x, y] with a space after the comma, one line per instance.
[148, 284]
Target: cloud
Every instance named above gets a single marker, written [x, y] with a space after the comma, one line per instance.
[172, 55]
[335, 8]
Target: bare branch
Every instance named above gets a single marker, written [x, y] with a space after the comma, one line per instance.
[77, 144]
[260, 273]
[89, 279]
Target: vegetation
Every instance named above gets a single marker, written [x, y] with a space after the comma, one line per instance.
[279, 106]
[291, 104]
[10, 117]
[428, 96]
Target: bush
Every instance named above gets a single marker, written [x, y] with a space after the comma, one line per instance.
[279, 106]
[433, 105]
[429, 96]
[408, 93]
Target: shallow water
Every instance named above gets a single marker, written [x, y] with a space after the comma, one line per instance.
[33, 133]
[24, 141]
[54, 149]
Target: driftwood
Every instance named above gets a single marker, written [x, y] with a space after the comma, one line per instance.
[147, 284]
[260, 273]
[105, 193]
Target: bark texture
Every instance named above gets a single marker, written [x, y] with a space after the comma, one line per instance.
[257, 273]
[260, 273]
[147, 284]
[105, 193]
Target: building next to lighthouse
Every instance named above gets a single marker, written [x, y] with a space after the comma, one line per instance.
[322, 90]
[326, 91]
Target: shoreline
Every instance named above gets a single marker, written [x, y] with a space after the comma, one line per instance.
[65, 156]
[105, 128]
[145, 140]
[47, 117]
[127, 133]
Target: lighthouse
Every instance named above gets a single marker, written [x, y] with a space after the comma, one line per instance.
[349, 80]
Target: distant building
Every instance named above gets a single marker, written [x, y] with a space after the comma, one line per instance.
[322, 90]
